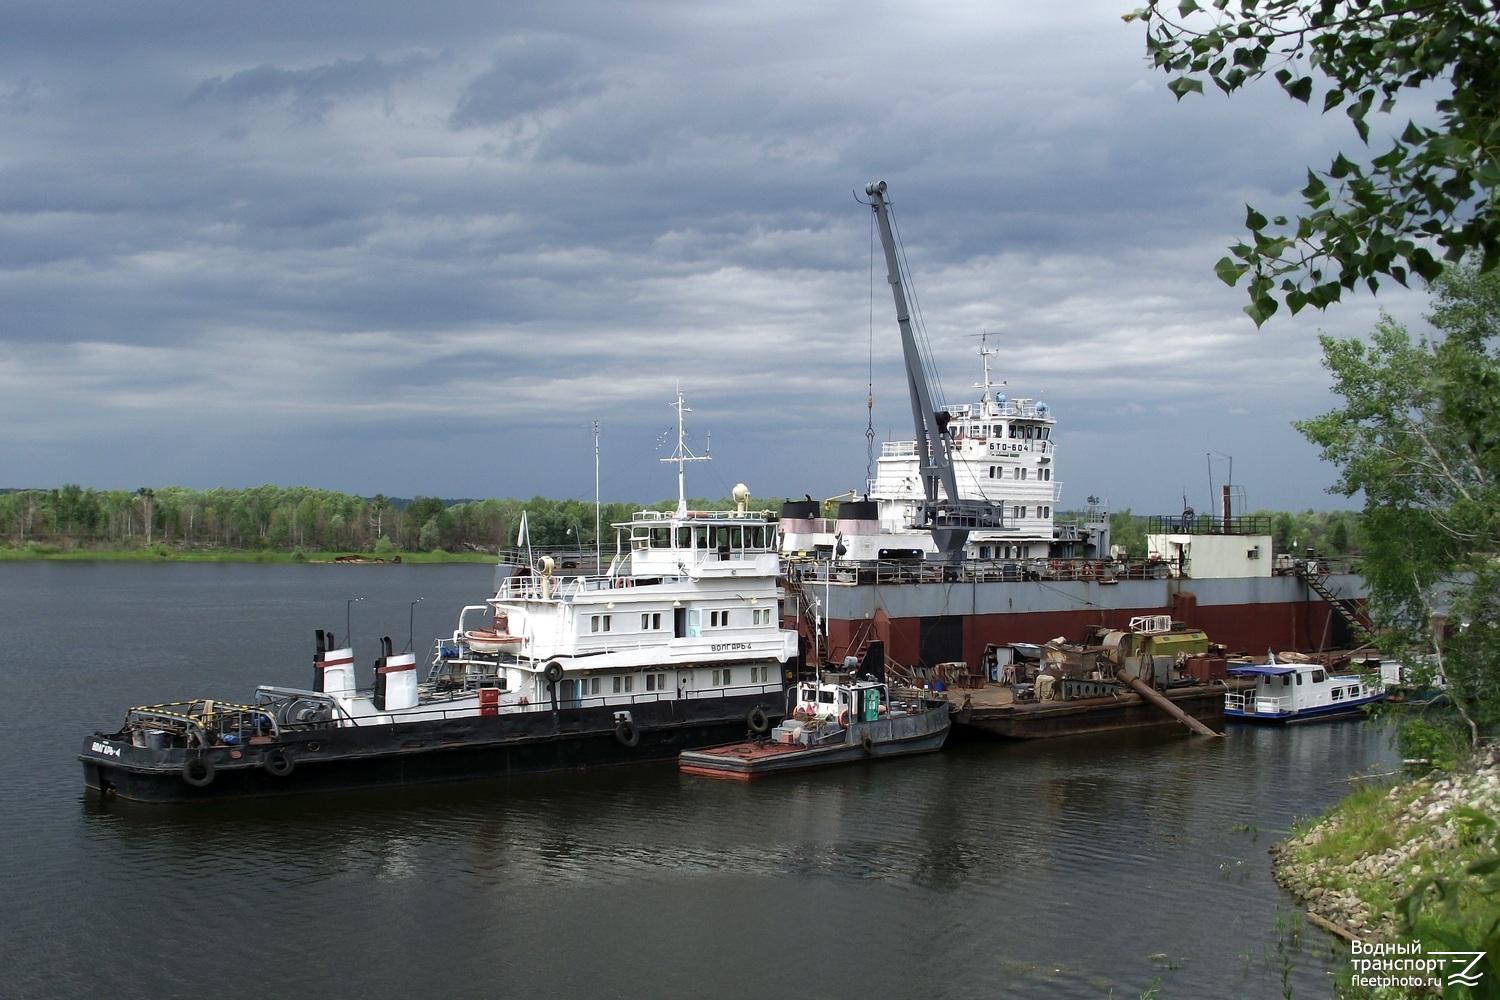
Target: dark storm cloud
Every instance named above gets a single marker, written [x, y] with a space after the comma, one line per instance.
[313, 91]
[530, 75]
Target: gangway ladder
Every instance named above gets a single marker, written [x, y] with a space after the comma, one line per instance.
[806, 614]
[1315, 582]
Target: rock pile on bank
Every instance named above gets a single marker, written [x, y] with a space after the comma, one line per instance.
[1430, 823]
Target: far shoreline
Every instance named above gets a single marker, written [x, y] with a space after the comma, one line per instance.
[164, 554]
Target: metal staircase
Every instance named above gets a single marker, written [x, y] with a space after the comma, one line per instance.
[1315, 581]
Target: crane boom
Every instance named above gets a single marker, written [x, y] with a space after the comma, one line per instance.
[949, 517]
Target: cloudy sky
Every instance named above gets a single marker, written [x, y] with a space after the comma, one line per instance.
[420, 249]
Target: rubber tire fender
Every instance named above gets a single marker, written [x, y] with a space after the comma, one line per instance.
[757, 721]
[627, 733]
[868, 742]
[279, 763]
[553, 673]
[198, 772]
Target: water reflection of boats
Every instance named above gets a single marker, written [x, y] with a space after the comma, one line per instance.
[677, 645]
[836, 719]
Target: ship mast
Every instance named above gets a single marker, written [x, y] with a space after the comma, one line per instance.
[950, 518]
[682, 455]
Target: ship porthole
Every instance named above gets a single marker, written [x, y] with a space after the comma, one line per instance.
[197, 772]
[312, 746]
[626, 733]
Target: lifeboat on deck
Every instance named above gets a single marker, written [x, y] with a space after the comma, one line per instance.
[489, 641]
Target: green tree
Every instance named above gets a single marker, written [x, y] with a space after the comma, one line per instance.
[1128, 530]
[1370, 215]
[1419, 434]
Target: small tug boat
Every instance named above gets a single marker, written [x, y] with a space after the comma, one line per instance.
[836, 720]
[1299, 692]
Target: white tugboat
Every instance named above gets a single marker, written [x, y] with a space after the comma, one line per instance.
[677, 645]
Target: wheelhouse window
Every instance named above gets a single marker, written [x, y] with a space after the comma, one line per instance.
[1338, 694]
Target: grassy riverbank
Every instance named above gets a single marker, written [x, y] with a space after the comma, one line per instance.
[163, 553]
[1414, 862]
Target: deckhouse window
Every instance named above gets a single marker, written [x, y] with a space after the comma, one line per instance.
[1318, 676]
[650, 621]
[1338, 694]
[599, 623]
[718, 619]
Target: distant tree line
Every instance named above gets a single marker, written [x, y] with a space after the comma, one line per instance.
[292, 518]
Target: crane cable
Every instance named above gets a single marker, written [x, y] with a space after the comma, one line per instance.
[870, 388]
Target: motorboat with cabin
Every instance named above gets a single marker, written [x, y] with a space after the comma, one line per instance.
[838, 718]
[677, 645]
[1300, 692]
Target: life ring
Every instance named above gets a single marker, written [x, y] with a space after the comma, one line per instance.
[197, 772]
[844, 717]
[279, 763]
[868, 742]
[756, 718]
[554, 672]
[626, 733]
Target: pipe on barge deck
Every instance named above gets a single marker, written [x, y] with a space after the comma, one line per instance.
[1161, 701]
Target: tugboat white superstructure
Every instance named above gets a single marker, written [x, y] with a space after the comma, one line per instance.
[677, 645]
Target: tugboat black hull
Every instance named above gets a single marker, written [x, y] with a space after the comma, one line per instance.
[330, 758]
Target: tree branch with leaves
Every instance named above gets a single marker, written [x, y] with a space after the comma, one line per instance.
[1430, 196]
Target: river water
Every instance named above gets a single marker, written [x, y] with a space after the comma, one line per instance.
[1086, 867]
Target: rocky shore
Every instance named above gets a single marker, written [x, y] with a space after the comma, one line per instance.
[1352, 866]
